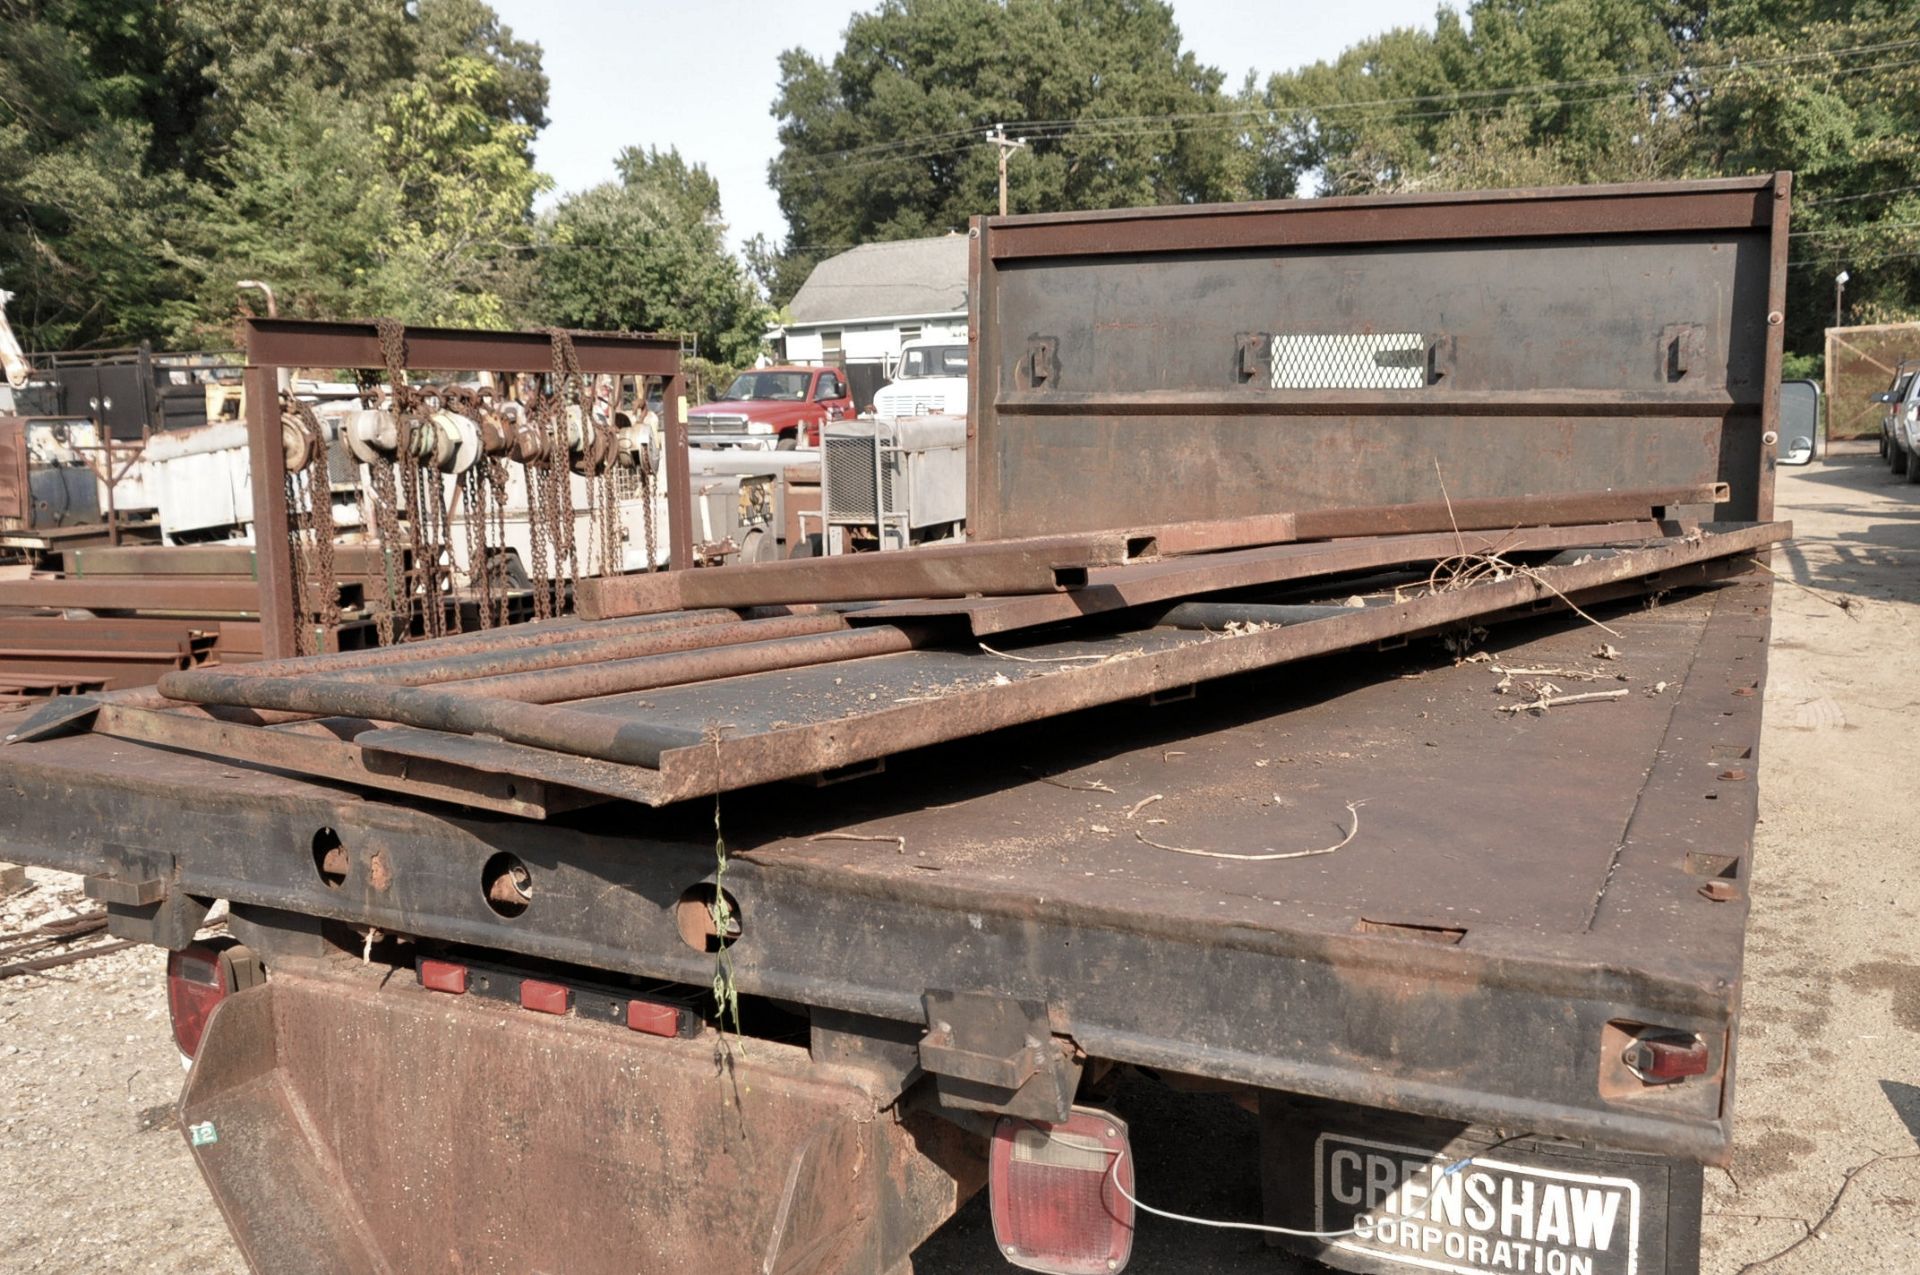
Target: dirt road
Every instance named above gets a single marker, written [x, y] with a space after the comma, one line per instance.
[94, 1175]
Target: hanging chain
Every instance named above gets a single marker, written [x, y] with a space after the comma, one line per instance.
[316, 590]
[534, 472]
[558, 473]
[474, 490]
[397, 620]
[649, 457]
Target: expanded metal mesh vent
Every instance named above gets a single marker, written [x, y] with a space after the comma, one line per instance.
[626, 482]
[1359, 361]
[847, 465]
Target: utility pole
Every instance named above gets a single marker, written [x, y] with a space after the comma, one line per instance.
[1007, 145]
[1839, 294]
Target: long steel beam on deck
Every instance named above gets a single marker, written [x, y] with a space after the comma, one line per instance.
[1143, 584]
[1040, 565]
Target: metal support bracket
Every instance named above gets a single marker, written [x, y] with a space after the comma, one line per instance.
[1040, 365]
[143, 902]
[995, 1053]
[1253, 355]
[1679, 351]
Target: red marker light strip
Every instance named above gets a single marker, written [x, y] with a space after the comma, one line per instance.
[653, 1018]
[544, 998]
[443, 976]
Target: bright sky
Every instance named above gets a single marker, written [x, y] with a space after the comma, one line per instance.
[701, 74]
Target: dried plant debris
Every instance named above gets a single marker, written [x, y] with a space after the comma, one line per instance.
[1546, 700]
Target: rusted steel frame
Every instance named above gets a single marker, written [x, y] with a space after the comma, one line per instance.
[64, 958]
[706, 664]
[196, 560]
[1040, 564]
[273, 344]
[1116, 588]
[1729, 204]
[394, 746]
[272, 521]
[1499, 513]
[679, 474]
[133, 653]
[466, 672]
[154, 593]
[1256, 401]
[1218, 615]
[742, 761]
[522, 637]
[562, 730]
[1208, 537]
[311, 343]
[538, 725]
[323, 757]
[1776, 337]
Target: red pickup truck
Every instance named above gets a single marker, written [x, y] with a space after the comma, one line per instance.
[772, 407]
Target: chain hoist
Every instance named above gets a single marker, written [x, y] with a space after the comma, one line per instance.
[477, 484]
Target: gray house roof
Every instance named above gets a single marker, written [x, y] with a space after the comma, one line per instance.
[900, 279]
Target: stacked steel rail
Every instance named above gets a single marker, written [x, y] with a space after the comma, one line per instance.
[706, 681]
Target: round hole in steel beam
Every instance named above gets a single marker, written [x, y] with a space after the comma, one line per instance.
[330, 858]
[704, 914]
[507, 884]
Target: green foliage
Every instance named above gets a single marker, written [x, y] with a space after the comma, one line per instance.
[886, 142]
[79, 212]
[1551, 92]
[1802, 367]
[466, 183]
[362, 158]
[647, 253]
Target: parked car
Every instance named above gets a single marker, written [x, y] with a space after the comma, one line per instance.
[771, 408]
[932, 378]
[1904, 433]
[1891, 449]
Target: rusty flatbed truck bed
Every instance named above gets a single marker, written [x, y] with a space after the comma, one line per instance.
[1490, 1025]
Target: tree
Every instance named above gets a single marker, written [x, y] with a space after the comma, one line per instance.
[888, 141]
[79, 208]
[648, 253]
[1549, 92]
[362, 157]
[466, 185]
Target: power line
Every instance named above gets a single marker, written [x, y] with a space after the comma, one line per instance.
[1858, 228]
[1870, 194]
[1127, 126]
[1028, 127]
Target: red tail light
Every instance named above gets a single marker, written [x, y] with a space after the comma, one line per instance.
[1056, 1204]
[198, 979]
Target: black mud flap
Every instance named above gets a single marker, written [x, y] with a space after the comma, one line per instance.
[1413, 1194]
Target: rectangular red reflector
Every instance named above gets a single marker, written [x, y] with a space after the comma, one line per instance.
[653, 1018]
[443, 976]
[544, 998]
[1665, 1060]
[1056, 1192]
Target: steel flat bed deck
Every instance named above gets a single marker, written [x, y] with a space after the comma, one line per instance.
[1516, 883]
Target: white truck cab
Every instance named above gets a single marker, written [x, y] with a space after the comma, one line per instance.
[932, 378]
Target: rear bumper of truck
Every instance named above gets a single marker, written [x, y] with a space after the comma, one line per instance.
[348, 1120]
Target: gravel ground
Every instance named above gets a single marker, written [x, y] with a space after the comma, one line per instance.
[95, 1176]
